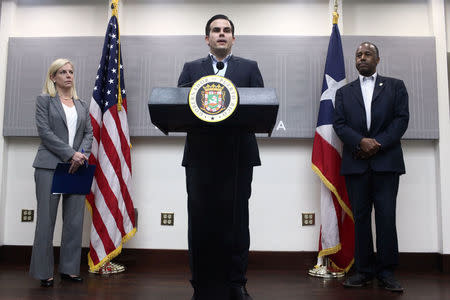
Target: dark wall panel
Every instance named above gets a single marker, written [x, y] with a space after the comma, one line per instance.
[292, 64]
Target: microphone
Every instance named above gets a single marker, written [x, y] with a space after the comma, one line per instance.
[220, 65]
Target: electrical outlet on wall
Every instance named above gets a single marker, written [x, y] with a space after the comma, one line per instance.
[27, 215]
[308, 219]
[167, 219]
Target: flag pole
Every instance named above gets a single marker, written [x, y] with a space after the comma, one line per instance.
[115, 12]
[324, 267]
[105, 246]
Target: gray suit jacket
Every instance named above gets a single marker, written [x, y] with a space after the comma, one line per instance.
[51, 124]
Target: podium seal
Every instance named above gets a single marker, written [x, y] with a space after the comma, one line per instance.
[213, 98]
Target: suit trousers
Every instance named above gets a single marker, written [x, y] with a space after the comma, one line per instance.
[42, 263]
[218, 231]
[380, 191]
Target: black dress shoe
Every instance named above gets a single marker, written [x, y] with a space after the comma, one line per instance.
[74, 278]
[240, 293]
[390, 283]
[47, 283]
[357, 280]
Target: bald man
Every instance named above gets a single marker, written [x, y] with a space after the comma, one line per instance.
[371, 116]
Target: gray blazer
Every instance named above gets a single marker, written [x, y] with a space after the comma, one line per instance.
[51, 124]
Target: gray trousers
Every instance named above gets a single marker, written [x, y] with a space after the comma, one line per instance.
[42, 263]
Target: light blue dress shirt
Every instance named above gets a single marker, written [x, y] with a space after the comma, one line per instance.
[225, 62]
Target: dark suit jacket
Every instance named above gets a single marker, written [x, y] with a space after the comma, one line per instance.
[213, 146]
[389, 121]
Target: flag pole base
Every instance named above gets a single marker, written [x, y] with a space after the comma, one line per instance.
[323, 272]
[109, 268]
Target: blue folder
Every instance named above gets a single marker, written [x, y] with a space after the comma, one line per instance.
[77, 183]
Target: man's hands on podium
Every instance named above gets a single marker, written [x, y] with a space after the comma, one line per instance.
[367, 148]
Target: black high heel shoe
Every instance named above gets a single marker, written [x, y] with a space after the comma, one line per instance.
[47, 282]
[74, 278]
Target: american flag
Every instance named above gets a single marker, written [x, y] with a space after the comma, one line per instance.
[337, 229]
[110, 201]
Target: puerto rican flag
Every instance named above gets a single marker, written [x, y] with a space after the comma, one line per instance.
[337, 229]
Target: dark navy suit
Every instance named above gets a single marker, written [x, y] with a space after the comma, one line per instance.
[219, 168]
[373, 181]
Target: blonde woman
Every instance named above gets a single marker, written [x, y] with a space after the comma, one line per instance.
[64, 126]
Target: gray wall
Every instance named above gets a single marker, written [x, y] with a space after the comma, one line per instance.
[293, 65]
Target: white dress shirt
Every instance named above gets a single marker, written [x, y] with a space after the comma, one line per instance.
[71, 118]
[367, 87]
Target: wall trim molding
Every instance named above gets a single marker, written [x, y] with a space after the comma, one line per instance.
[268, 260]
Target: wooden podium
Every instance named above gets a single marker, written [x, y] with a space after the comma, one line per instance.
[256, 112]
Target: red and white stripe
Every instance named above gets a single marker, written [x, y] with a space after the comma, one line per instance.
[110, 199]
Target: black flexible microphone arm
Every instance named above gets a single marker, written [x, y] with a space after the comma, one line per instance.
[220, 65]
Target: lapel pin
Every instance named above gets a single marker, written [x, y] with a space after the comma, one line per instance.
[381, 84]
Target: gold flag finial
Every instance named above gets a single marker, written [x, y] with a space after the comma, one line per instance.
[335, 13]
[114, 5]
[335, 17]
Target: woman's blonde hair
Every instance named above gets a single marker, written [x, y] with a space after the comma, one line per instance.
[49, 86]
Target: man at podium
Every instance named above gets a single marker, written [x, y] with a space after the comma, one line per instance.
[219, 168]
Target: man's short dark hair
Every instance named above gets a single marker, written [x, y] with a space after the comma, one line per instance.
[372, 44]
[208, 24]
